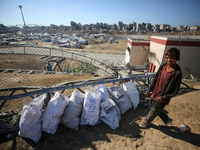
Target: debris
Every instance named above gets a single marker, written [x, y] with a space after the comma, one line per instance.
[15, 120]
[32, 72]
[8, 135]
[18, 71]
[128, 135]
[133, 139]
[8, 70]
[95, 75]
[183, 128]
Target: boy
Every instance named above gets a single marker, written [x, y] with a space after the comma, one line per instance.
[164, 86]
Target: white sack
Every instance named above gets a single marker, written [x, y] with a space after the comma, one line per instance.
[91, 108]
[73, 110]
[104, 92]
[132, 92]
[53, 113]
[30, 121]
[120, 98]
[110, 113]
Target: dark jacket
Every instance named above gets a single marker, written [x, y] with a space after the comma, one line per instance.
[172, 85]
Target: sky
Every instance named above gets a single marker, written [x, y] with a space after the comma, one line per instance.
[62, 12]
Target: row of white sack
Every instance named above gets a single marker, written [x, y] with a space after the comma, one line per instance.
[98, 103]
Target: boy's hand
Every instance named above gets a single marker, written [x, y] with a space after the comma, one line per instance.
[146, 94]
[160, 99]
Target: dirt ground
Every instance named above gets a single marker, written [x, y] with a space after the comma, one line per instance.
[184, 108]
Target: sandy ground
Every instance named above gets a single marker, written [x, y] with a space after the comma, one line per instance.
[184, 108]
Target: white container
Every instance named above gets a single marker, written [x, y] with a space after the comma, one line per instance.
[182, 128]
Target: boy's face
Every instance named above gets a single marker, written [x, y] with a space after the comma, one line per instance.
[171, 60]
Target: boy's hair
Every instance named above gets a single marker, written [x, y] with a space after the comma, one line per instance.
[173, 51]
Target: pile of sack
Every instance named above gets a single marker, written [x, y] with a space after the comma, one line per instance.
[97, 104]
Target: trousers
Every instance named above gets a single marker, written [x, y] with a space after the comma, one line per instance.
[156, 109]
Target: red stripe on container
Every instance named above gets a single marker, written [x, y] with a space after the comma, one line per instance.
[176, 43]
[138, 43]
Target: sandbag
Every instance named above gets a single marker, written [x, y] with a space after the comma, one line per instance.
[91, 107]
[53, 112]
[104, 92]
[132, 92]
[73, 110]
[110, 113]
[120, 98]
[30, 120]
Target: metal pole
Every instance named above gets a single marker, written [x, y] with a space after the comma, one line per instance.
[20, 6]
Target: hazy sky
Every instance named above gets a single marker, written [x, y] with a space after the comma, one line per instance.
[61, 12]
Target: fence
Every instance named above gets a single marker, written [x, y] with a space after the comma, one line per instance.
[24, 76]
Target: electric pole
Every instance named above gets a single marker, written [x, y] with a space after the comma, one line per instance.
[20, 7]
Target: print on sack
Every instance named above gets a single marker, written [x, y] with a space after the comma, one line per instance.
[92, 107]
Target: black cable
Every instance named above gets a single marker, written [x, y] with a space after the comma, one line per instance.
[130, 124]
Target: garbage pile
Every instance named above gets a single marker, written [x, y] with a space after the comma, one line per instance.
[9, 121]
[97, 104]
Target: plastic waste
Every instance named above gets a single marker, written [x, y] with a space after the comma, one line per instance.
[128, 135]
[182, 128]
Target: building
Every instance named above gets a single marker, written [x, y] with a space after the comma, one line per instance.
[189, 48]
[138, 52]
[165, 27]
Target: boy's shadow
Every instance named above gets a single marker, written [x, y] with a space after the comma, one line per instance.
[175, 133]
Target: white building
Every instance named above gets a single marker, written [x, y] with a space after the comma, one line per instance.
[156, 49]
[137, 52]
